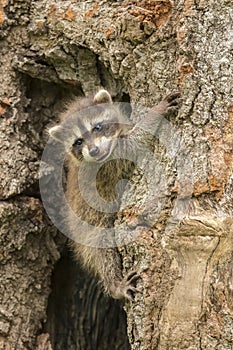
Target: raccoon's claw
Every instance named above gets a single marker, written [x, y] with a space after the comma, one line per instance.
[173, 101]
[130, 285]
[173, 96]
[126, 288]
[170, 103]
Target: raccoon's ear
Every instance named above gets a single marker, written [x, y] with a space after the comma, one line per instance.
[58, 133]
[102, 96]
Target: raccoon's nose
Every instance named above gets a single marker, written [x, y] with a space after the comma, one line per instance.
[94, 151]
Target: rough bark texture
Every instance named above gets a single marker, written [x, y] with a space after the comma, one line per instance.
[140, 50]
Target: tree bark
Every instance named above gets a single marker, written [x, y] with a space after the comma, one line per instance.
[139, 51]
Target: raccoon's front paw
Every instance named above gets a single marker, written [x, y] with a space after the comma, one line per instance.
[126, 288]
[170, 103]
[173, 101]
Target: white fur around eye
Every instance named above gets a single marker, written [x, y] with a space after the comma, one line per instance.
[99, 119]
[77, 132]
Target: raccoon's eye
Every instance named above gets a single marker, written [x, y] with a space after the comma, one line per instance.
[98, 127]
[78, 142]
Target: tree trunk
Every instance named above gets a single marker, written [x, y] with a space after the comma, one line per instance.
[139, 51]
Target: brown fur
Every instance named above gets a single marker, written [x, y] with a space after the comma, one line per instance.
[104, 262]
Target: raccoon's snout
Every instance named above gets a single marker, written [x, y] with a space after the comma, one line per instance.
[94, 151]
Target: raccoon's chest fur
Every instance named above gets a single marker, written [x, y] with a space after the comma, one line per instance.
[94, 194]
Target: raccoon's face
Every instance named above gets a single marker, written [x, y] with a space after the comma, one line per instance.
[91, 133]
[95, 138]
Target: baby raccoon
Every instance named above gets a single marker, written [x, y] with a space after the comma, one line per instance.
[100, 144]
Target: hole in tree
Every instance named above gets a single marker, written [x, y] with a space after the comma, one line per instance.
[79, 315]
